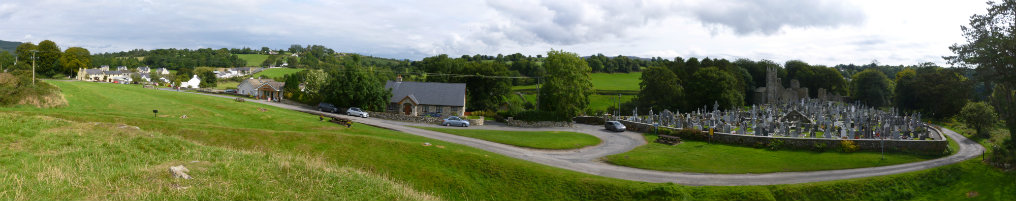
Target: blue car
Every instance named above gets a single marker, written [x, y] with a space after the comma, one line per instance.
[455, 121]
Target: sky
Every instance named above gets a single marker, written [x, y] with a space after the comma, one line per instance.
[824, 32]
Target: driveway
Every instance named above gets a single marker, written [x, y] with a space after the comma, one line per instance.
[587, 160]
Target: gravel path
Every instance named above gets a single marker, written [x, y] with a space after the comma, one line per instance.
[587, 160]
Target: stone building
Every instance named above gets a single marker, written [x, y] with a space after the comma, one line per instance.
[427, 98]
[775, 93]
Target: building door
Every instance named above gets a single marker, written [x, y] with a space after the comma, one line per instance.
[407, 108]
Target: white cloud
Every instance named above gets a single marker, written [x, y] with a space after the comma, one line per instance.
[821, 31]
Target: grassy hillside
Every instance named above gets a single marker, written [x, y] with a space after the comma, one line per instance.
[454, 172]
[277, 72]
[9, 46]
[611, 83]
[57, 159]
[253, 59]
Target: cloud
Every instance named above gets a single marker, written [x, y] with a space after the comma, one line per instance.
[768, 17]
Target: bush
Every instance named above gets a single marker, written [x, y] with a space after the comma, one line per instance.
[775, 144]
[980, 116]
[819, 147]
[692, 134]
[664, 131]
[848, 146]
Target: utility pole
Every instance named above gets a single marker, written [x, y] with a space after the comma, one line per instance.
[33, 67]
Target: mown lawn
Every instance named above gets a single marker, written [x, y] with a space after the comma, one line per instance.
[697, 156]
[453, 173]
[277, 72]
[226, 85]
[530, 139]
[601, 102]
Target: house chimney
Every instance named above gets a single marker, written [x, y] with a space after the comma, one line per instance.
[398, 79]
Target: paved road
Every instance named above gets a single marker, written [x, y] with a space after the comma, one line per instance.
[587, 160]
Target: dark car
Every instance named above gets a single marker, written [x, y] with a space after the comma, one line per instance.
[614, 126]
[327, 107]
[232, 91]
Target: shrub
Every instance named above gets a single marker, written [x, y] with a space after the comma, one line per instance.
[848, 146]
[980, 116]
[665, 131]
[775, 144]
[819, 147]
[692, 134]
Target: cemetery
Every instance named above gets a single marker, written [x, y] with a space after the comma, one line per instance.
[802, 124]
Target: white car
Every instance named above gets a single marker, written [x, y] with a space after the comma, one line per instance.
[355, 111]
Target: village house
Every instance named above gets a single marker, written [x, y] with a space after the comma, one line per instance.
[267, 89]
[427, 98]
[162, 71]
[144, 69]
[192, 83]
[121, 68]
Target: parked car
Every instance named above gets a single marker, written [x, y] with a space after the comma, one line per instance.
[232, 91]
[455, 121]
[327, 107]
[432, 114]
[614, 126]
[355, 111]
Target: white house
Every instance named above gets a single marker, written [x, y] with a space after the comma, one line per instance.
[261, 88]
[192, 83]
[144, 69]
[121, 68]
[162, 71]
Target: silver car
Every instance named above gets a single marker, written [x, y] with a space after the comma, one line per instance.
[614, 126]
[455, 121]
[355, 111]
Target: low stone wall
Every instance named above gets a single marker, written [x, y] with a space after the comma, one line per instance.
[406, 118]
[476, 122]
[931, 147]
[537, 124]
[591, 120]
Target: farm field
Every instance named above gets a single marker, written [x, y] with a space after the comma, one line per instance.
[228, 135]
[627, 83]
[253, 59]
[277, 72]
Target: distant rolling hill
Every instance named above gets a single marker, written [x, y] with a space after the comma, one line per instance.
[8, 46]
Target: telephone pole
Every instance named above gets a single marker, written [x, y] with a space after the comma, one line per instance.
[33, 67]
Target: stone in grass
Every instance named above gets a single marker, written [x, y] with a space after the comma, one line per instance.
[179, 171]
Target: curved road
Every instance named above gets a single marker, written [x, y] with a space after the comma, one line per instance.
[587, 160]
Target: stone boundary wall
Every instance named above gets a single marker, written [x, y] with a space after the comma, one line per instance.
[931, 147]
[407, 118]
[537, 124]
[591, 120]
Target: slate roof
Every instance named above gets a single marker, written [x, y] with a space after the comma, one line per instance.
[116, 72]
[429, 93]
[93, 71]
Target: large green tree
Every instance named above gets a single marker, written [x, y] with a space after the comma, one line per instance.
[980, 116]
[75, 58]
[938, 92]
[711, 85]
[567, 85]
[355, 87]
[991, 47]
[488, 88]
[871, 87]
[660, 88]
[6, 61]
[24, 56]
[47, 59]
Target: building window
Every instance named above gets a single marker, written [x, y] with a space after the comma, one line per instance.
[440, 109]
[426, 109]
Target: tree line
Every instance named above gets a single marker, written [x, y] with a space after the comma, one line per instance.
[49, 59]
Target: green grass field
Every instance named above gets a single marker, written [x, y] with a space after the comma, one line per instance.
[277, 72]
[697, 156]
[601, 102]
[606, 82]
[530, 139]
[226, 85]
[253, 59]
[58, 161]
